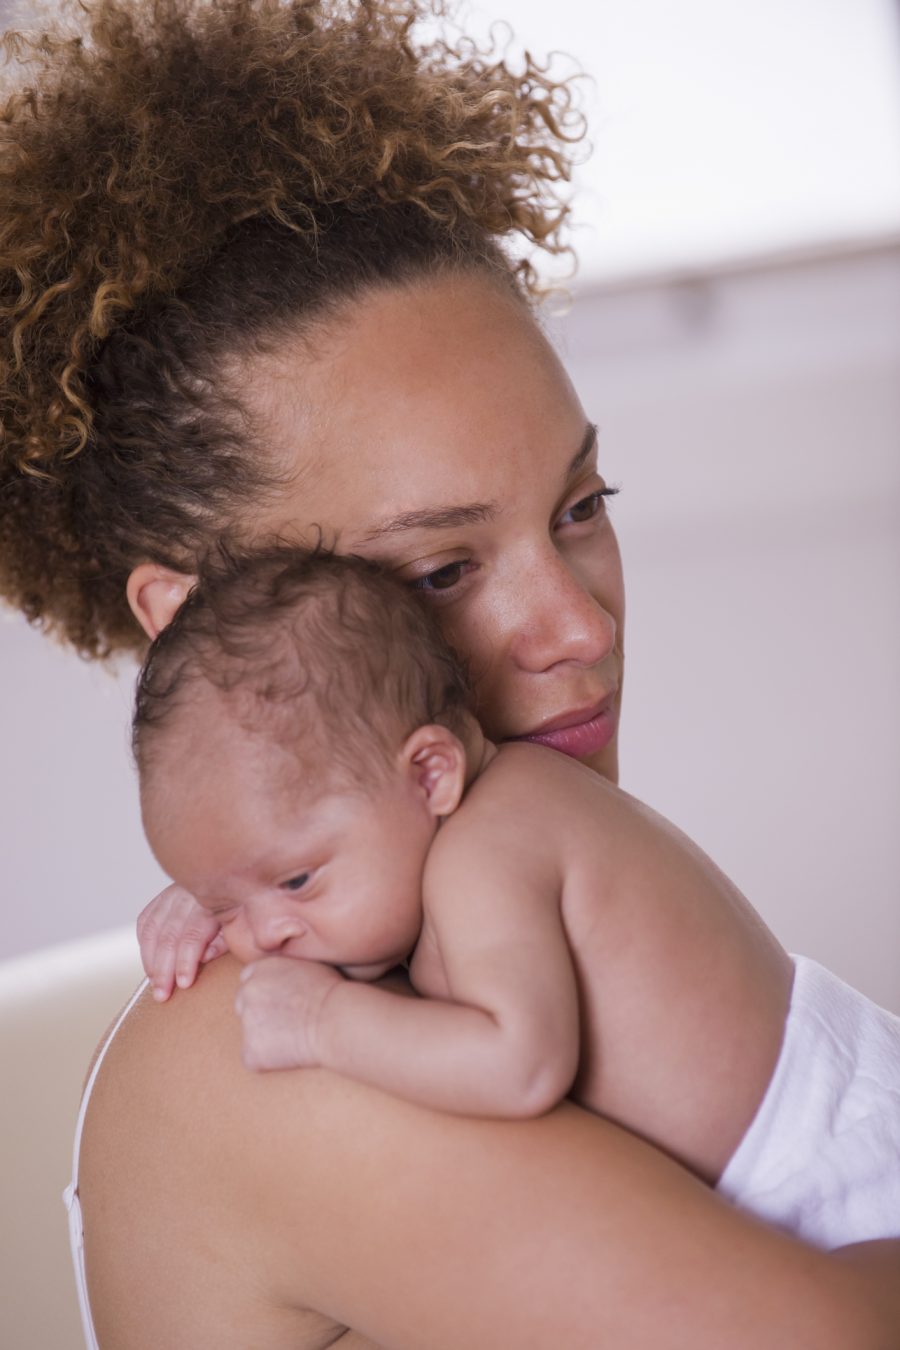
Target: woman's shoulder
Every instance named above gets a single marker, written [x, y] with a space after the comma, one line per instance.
[201, 1007]
[193, 1166]
[167, 1071]
[167, 1042]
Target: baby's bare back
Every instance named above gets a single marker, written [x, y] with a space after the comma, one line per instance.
[683, 991]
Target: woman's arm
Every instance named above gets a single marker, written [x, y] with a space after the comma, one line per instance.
[431, 1232]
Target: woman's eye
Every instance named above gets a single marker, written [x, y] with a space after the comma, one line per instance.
[588, 507]
[296, 883]
[442, 579]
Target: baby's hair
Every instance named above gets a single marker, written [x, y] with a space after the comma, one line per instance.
[182, 184]
[324, 656]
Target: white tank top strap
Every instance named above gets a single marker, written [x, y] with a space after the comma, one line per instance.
[70, 1194]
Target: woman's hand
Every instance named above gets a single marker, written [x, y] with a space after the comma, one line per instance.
[176, 936]
[279, 1002]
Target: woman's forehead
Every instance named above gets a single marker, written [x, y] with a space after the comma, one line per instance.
[437, 397]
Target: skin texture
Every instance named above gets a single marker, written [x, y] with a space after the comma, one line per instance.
[262, 1197]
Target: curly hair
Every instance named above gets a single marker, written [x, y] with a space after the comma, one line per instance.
[181, 180]
[304, 648]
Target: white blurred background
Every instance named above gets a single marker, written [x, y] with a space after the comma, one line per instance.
[735, 331]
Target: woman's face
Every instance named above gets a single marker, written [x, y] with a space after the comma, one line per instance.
[434, 430]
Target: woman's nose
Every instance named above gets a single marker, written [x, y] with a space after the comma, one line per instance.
[562, 621]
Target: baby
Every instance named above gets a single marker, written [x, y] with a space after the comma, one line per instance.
[315, 783]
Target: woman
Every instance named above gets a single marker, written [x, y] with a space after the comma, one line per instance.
[253, 284]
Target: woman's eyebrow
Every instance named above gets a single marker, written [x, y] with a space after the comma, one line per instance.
[448, 517]
[438, 518]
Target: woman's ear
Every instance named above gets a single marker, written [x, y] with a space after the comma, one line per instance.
[154, 593]
[435, 759]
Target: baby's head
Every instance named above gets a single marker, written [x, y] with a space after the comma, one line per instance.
[301, 728]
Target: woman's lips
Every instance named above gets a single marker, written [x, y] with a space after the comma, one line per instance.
[583, 733]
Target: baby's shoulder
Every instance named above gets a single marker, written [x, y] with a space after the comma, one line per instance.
[535, 781]
[554, 800]
[497, 820]
[522, 805]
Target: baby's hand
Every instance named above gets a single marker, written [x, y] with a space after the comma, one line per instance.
[176, 937]
[279, 1003]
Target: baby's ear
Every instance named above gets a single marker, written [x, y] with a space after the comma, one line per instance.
[435, 759]
[155, 593]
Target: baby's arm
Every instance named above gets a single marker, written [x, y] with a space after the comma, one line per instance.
[507, 1045]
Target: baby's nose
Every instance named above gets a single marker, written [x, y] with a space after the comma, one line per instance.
[273, 925]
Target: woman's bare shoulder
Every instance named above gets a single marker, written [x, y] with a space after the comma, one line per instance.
[172, 1042]
[392, 1219]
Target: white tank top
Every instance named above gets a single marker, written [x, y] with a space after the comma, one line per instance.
[70, 1194]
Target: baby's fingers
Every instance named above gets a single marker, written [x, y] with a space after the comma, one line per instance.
[218, 947]
[175, 933]
[157, 959]
[165, 957]
[197, 936]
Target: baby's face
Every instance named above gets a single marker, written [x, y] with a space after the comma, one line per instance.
[334, 879]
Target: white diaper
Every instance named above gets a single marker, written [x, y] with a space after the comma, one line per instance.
[822, 1156]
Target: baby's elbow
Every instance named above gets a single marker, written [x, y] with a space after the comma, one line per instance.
[543, 1086]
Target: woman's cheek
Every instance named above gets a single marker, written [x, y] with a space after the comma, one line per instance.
[479, 640]
[496, 699]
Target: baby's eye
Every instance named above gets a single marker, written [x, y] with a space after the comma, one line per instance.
[296, 883]
[588, 507]
[442, 579]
